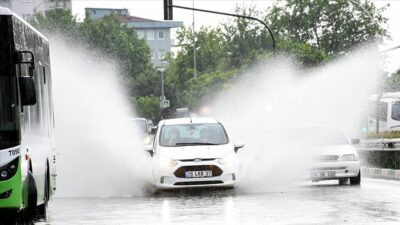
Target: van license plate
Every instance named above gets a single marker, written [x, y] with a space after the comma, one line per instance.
[194, 174]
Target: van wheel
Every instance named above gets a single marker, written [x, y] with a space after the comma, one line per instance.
[30, 211]
[356, 180]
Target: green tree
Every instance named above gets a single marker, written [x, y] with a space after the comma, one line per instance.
[115, 39]
[246, 41]
[392, 82]
[334, 27]
[210, 53]
[148, 107]
[56, 21]
[109, 37]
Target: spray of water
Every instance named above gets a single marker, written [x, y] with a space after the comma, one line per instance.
[100, 154]
[277, 96]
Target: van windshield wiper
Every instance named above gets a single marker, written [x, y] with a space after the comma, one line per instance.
[194, 143]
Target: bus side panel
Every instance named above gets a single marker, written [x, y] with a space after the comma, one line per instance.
[14, 184]
[37, 134]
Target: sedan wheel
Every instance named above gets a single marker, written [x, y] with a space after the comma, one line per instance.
[356, 180]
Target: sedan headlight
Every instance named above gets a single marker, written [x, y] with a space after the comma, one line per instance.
[166, 162]
[227, 159]
[350, 157]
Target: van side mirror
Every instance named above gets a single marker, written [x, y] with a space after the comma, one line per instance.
[238, 145]
[355, 141]
[27, 90]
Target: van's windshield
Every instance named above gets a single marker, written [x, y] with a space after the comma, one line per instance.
[193, 134]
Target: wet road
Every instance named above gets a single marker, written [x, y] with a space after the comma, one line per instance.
[374, 202]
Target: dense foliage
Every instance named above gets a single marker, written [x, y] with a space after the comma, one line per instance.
[334, 27]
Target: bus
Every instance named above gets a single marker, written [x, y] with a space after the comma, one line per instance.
[27, 143]
[384, 114]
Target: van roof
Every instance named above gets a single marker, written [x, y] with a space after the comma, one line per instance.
[189, 120]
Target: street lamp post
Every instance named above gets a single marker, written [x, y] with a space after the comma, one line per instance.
[162, 86]
[162, 97]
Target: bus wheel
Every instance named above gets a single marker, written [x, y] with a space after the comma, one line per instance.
[9, 218]
[30, 211]
[42, 209]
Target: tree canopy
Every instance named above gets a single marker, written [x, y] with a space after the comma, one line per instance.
[333, 26]
[313, 31]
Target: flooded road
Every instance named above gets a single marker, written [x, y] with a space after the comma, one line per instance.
[374, 202]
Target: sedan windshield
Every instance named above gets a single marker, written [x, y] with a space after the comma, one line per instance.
[141, 126]
[8, 129]
[316, 136]
[193, 134]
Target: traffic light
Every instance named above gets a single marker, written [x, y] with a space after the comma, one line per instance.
[168, 10]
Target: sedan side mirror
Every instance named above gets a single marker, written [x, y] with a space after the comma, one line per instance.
[149, 149]
[27, 90]
[154, 130]
[355, 141]
[238, 145]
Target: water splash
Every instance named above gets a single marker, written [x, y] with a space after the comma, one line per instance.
[99, 153]
[277, 96]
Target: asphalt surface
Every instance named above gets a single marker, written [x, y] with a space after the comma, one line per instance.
[374, 202]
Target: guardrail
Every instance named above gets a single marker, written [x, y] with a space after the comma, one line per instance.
[380, 153]
[379, 145]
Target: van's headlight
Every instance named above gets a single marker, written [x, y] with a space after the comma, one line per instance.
[350, 157]
[166, 162]
[227, 159]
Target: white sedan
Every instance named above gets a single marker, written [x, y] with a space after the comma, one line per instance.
[193, 152]
[333, 156]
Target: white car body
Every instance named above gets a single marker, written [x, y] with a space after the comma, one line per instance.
[332, 155]
[330, 165]
[171, 164]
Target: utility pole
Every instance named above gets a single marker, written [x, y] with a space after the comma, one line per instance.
[194, 46]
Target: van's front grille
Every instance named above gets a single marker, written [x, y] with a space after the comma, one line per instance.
[199, 182]
[193, 160]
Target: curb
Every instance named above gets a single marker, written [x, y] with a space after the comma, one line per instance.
[380, 173]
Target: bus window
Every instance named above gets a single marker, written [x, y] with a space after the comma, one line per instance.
[396, 111]
[8, 126]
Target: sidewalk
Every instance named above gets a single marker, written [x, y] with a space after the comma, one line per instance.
[380, 173]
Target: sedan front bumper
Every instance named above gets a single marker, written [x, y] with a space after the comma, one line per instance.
[334, 170]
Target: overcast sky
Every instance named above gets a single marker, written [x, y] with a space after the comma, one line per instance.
[153, 9]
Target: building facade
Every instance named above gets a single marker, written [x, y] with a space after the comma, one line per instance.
[156, 33]
[27, 8]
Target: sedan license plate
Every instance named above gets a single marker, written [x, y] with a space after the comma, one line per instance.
[194, 174]
[323, 174]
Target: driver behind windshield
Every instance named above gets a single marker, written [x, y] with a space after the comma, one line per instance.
[173, 137]
[204, 135]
